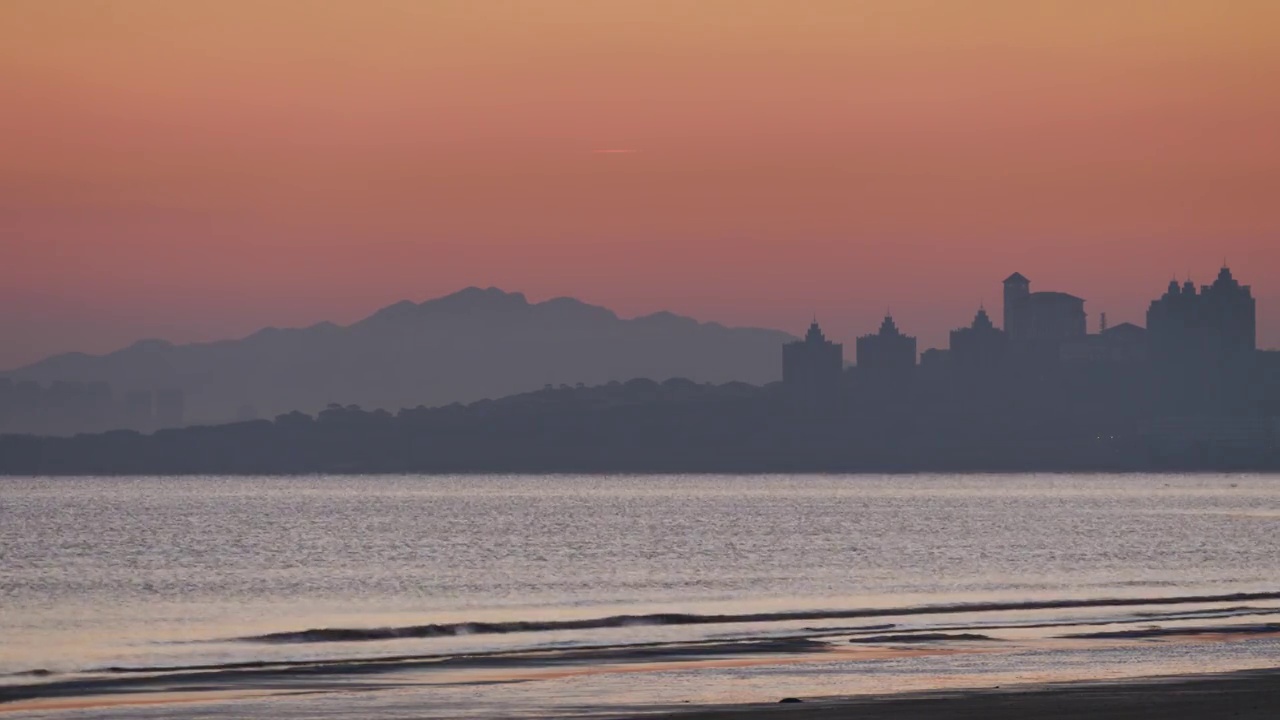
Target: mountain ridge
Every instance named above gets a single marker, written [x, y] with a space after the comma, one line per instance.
[464, 346]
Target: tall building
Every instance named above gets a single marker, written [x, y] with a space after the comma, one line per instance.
[1045, 318]
[1216, 323]
[170, 407]
[811, 368]
[935, 360]
[139, 409]
[6, 403]
[980, 346]
[886, 351]
[102, 405]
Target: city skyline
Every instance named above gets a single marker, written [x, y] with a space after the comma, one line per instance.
[1189, 390]
[197, 171]
[778, 359]
[929, 339]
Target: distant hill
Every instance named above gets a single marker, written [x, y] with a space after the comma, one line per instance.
[473, 344]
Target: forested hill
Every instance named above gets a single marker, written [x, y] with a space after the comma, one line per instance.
[645, 426]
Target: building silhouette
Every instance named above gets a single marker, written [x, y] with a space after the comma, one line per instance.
[888, 351]
[1123, 344]
[935, 360]
[170, 407]
[1043, 318]
[812, 367]
[981, 346]
[139, 409]
[1216, 324]
[64, 407]
[994, 401]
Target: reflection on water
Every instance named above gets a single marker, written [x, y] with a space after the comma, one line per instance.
[163, 572]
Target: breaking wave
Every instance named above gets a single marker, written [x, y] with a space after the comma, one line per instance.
[323, 635]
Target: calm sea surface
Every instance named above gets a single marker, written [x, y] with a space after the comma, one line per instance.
[154, 573]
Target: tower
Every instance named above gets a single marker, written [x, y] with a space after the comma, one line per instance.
[1230, 312]
[887, 351]
[1041, 321]
[979, 347]
[1216, 324]
[812, 367]
[1017, 293]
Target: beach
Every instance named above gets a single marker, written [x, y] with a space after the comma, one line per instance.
[1006, 673]
[1241, 695]
[1248, 695]
[533, 597]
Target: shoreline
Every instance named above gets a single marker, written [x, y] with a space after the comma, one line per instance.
[1263, 470]
[1241, 695]
[1248, 692]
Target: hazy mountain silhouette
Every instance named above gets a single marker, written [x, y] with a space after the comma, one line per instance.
[473, 344]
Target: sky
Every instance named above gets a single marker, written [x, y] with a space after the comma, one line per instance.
[197, 170]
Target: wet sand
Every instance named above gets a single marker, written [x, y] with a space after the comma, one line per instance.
[934, 693]
[1245, 695]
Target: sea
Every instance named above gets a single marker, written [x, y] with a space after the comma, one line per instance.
[615, 596]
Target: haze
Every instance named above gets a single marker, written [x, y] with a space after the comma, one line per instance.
[198, 170]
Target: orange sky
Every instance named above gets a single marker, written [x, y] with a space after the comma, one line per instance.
[197, 170]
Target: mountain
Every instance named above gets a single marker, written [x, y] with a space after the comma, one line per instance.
[469, 345]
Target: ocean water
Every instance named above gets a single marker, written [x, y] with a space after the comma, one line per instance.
[412, 587]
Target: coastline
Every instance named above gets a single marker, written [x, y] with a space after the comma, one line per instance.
[1270, 469]
[1242, 695]
[747, 679]
[1239, 695]
[612, 597]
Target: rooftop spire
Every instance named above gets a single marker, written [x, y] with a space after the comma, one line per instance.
[982, 320]
[815, 333]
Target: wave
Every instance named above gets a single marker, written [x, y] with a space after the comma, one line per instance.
[347, 671]
[37, 672]
[1142, 633]
[920, 637]
[324, 635]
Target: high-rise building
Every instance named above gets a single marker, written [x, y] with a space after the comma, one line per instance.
[1217, 323]
[981, 346]
[139, 410]
[6, 403]
[935, 360]
[1044, 318]
[102, 407]
[812, 367]
[170, 407]
[886, 351]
